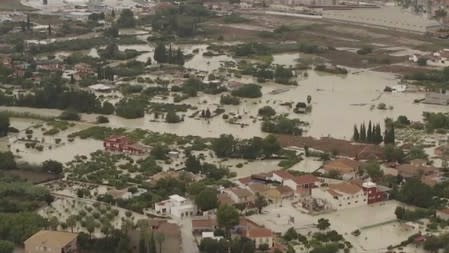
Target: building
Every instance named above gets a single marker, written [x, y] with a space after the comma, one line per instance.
[46, 241]
[302, 185]
[373, 193]
[240, 195]
[347, 168]
[415, 170]
[260, 236]
[341, 196]
[176, 206]
[203, 224]
[277, 194]
[124, 145]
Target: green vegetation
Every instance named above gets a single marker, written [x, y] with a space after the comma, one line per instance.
[282, 125]
[372, 134]
[234, 18]
[227, 146]
[331, 69]
[130, 108]
[248, 91]
[126, 19]
[4, 124]
[266, 111]
[229, 100]
[412, 215]
[170, 56]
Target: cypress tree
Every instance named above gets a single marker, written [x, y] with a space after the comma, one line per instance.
[179, 57]
[392, 135]
[160, 54]
[362, 133]
[142, 245]
[356, 135]
[369, 133]
[152, 244]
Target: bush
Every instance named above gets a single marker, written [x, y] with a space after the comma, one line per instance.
[365, 50]
[266, 111]
[248, 91]
[70, 115]
[229, 100]
[102, 119]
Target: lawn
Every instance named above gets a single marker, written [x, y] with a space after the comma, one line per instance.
[10, 5]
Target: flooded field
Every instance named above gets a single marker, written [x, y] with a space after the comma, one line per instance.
[346, 100]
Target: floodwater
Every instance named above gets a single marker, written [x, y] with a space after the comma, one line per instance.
[338, 102]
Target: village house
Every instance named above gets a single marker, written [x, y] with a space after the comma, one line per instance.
[257, 188]
[342, 195]
[261, 236]
[345, 167]
[126, 193]
[275, 195]
[240, 195]
[301, 185]
[50, 65]
[124, 145]
[415, 170]
[203, 224]
[373, 193]
[46, 241]
[176, 206]
[255, 232]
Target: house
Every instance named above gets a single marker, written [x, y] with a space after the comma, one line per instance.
[257, 188]
[347, 168]
[373, 193]
[203, 224]
[415, 170]
[124, 145]
[126, 193]
[176, 206]
[46, 241]
[49, 65]
[301, 185]
[443, 214]
[240, 195]
[342, 195]
[260, 236]
[277, 194]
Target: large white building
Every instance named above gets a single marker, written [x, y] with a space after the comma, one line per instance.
[176, 206]
[341, 196]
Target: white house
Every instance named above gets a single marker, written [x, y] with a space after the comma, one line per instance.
[261, 236]
[342, 195]
[176, 206]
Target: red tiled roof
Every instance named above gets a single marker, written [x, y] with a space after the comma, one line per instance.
[259, 232]
[283, 174]
[345, 187]
[305, 179]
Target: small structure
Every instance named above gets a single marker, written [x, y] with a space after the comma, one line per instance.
[437, 98]
[443, 214]
[240, 195]
[124, 145]
[46, 241]
[300, 107]
[203, 224]
[176, 206]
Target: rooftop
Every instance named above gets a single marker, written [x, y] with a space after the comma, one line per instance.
[54, 239]
[346, 188]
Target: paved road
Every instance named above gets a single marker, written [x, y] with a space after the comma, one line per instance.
[188, 243]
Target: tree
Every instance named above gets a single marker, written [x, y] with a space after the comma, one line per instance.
[52, 167]
[152, 244]
[142, 245]
[440, 14]
[126, 19]
[49, 30]
[290, 234]
[260, 202]
[4, 124]
[159, 238]
[270, 146]
[227, 217]
[266, 111]
[53, 223]
[207, 199]
[224, 146]
[172, 117]
[414, 192]
[71, 222]
[433, 244]
[6, 246]
[373, 170]
[362, 133]
[323, 224]
[7, 161]
[422, 61]
[393, 153]
[160, 53]
[356, 135]
[309, 99]
[369, 133]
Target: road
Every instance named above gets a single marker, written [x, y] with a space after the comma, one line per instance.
[188, 241]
